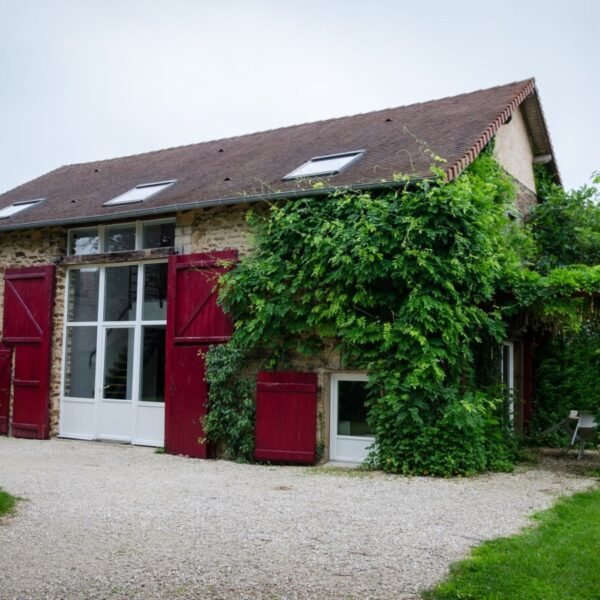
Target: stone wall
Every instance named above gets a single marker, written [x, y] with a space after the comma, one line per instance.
[525, 200]
[215, 228]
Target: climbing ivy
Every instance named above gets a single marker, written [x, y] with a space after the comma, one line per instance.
[566, 379]
[230, 422]
[566, 229]
[408, 282]
[566, 224]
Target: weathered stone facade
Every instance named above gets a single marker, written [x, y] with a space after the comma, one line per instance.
[525, 200]
[216, 228]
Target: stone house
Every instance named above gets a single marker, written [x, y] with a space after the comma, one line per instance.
[108, 292]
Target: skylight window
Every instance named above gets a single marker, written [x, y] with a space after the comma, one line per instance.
[16, 207]
[140, 193]
[329, 164]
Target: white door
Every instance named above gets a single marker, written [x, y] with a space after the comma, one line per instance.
[350, 436]
[113, 376]
[508, 377]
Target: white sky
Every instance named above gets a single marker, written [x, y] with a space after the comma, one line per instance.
[83, 80]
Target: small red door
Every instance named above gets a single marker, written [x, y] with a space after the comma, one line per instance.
[28, 303]
[286, 417]
[194, 323]
[5, 372]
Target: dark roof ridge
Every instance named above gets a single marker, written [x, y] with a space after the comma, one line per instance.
[525, 82]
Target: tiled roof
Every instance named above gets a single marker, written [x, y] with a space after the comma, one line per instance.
[248, 167]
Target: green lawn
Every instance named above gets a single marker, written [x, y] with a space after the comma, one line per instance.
[7, 502]
[558, 560]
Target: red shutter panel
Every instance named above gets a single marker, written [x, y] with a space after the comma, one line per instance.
[286, 417]
[28, 303]
[194, 322]
[5, 369]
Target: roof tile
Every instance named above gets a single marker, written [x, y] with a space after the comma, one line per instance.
[247, 166]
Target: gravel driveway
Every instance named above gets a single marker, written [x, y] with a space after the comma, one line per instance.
[113, 521]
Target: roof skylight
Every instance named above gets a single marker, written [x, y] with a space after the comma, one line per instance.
[140, 193]
[16, 207]
[329, 164]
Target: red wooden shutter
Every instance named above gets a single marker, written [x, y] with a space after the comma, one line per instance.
[28, 303]
[194, 322]
[5, 369]
[286, 417]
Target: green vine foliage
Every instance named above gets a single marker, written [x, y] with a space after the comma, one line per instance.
[563, 297]
[566, 379]
[405, 282]
[415, 284]
[566, 224]
[230, 421]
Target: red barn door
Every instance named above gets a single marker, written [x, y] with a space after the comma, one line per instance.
[194, 323]
[5, 373]
[28, 303]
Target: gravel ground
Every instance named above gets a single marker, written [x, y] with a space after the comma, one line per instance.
[113, 521]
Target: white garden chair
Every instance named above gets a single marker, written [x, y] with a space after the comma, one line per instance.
[581, 427]
[586, 430]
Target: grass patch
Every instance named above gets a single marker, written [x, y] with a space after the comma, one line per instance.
[556, 561]
[7, 503]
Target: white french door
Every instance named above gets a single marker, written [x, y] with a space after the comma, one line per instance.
[114, 351]
[350, 436]
[508, 377]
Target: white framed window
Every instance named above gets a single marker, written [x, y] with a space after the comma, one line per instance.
[135, 235]
[329, 164]
[140, 192]
[507, 369]
[350, 436]
[17, 207]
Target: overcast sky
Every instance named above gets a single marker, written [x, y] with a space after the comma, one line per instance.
[82, 80]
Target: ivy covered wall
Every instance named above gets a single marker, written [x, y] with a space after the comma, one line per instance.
[409, 282]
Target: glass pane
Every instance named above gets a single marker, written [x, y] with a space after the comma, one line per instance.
[80, 362]
[140, 193]
[84, 241]
[323, 166]
[120, 294]
[153, 364]
[118, 363]
[83, 294]
[506, 365]
[15, 208]
[155, 293]
[119, 238]
[158, 235]
[352, 412]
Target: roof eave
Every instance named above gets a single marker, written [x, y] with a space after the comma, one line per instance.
[187, 206]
